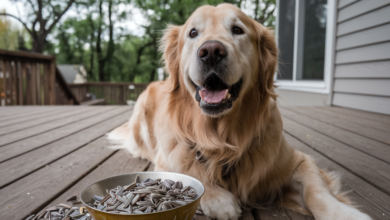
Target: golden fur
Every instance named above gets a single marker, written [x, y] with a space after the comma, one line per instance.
[244, 158]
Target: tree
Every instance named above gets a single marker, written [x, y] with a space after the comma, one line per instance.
[264, 11]
[41, 19]
[8, 35]
[110, 52]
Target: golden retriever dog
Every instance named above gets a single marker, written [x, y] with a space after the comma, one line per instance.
[215, 118]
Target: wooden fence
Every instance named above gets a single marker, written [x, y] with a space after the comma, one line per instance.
[32, 79]
[112, 93]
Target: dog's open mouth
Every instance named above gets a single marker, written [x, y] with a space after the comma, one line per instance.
[216, 96]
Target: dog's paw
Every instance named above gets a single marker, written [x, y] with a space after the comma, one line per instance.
[221, 205]
[346, 212]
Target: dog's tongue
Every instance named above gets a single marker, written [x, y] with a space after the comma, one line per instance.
[212, 96]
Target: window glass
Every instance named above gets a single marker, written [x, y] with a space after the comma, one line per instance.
[286, 39]
[312, 42]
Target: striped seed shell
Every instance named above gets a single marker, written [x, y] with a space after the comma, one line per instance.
[135, 200]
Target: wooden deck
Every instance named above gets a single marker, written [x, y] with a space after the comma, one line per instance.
[50, 153]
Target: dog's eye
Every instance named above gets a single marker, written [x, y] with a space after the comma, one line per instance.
[193, 33]
[237, 30]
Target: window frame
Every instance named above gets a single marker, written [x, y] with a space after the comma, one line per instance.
[314, 86]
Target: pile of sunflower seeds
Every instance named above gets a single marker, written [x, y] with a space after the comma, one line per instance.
[62, 212]
[148, 196]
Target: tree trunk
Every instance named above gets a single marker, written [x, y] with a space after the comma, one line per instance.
[152, 75]
[39, 44]
[111, 47]
[98, 42]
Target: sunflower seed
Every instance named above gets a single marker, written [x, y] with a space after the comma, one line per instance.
[147, 196]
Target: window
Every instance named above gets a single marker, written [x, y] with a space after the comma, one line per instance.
[286, 39]
[305, 40]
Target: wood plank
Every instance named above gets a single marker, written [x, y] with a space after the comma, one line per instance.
[93, 102]
[375, 18]
[345, 117]
[32, 192]
[278, 213]
[27, 112]
[50, 117]
[363, 70]
[362, 114]
[372, 170]
[9, 110]
[367, 132]
[345, 3]
[31, 132]
[360, 8]
[363, 102]
[108, 168]
[366, 37]
[368, 53]
[369, 146]
[18, 167]
[29, 144]
[368, 198]
[376, 87]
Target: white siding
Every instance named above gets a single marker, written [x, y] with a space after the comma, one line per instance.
[362, 56]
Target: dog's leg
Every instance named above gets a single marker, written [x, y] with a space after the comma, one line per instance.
[309, 180]
[220, 204]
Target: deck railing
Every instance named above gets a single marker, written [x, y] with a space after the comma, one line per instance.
[112, 93]
[32, 79]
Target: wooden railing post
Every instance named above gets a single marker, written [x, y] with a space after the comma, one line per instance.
[52, 83]
[2, 84]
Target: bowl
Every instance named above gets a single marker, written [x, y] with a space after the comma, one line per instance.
[99, 188]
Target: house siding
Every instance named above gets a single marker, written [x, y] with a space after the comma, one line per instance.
[362, 56]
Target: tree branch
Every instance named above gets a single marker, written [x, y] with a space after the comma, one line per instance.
[59, 16]
[263, 12]
[32, 5]
[268, 15]
[141, 49]
[20, 20]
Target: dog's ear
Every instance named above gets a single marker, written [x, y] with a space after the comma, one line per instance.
[169, 46]
[268, 59]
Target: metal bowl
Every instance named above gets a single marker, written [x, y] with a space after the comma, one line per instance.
[99, 188]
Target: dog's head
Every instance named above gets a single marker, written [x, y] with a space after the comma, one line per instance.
[219, 55]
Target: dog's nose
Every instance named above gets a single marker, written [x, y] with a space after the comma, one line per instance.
[212, 52]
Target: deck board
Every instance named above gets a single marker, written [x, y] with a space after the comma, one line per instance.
[352, 119]
[366, 145]
[361, 114]
[49, 153]
[368, 132]
[119, 163]
[373, 170]
[371, 200]
[25, 145]
[18, 167]
[55, 116]
[26, 115]
[278, 213]
[41, 129]
[63, 174]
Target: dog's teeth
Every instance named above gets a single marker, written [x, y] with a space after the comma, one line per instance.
[228, 96]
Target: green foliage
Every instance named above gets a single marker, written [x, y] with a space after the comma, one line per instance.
[11, 37]
[95, 33]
